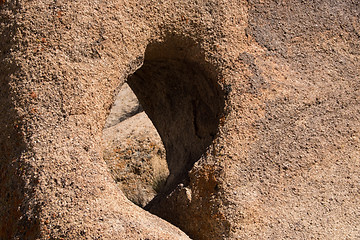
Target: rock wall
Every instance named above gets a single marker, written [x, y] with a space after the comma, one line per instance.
[275, 88]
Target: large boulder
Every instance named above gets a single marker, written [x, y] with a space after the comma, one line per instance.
[133, 149]
[257, 104]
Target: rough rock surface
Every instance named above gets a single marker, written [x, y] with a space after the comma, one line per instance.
[278, 81]
[126, 105]
[133, 150]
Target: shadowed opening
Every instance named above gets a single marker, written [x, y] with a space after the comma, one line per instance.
[182, 98]
[178, 91]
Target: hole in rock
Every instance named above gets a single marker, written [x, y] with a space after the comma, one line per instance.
[178, 90]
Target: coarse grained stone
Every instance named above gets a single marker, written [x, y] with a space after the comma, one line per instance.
[283, 164]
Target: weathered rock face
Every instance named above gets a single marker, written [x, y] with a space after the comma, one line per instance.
[257, 104]
[134, 151]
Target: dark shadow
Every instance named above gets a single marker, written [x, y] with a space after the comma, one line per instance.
[16, 223]
[179, 92]
[17, 219]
